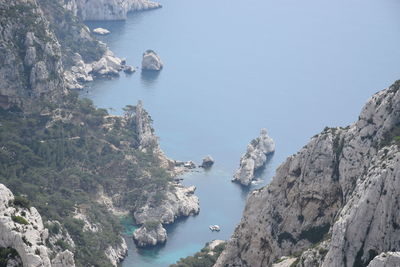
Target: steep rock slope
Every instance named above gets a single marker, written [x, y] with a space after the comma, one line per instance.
[107, 9]
[30, 53]
[342, 187]
[21, 228]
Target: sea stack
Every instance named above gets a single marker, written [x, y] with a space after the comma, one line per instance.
[208, 161]
[151, 61]
[254, 158]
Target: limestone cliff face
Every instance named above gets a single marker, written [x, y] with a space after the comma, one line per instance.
[30, 55]
[22, 229]
[107, 9]
[342, 187]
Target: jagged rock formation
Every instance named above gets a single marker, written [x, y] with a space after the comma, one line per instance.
[178, 203]
[345, 182]
[22, 229]
[150, 235]
[118, 253]
[107, 9]
[44, 50]
[30, 54]
[151, 61]
[254, 158]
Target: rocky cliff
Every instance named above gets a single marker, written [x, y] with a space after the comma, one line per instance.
[30, 53]
[342, 188]
[21, 228]
[107, 9]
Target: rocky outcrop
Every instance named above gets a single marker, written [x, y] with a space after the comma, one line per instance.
[118, 253]
[151, 61]
[254, 158]
[21, 228]
[63, 259]
[208, 161]
[30, 55]
[387, 259]
[150, 234]
[181, 202]
[108, 66]
[342, 187]
[107, 9]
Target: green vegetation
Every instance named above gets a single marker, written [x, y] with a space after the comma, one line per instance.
[22, 202]
[67, 29]
[7, 254]
[58, 158]
[204, 258]
[151, 225]
[19, 219]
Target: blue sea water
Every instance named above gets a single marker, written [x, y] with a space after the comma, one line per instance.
[233, 67]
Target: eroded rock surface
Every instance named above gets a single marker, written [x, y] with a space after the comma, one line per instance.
[342, 187]
[22, 229]
[151, 61]
[254, 158]
[107, 9]
[150, 235]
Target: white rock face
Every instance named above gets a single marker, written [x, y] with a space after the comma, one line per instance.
[151, 61]
[388, 259]
[145, 236]
[180, 203]
[108, 66]
[254, 158]
[117, 254]
[27, 239]
[285, 262]
[345, 181]
[107, 9]
[101, 31]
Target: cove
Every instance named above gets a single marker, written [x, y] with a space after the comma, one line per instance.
[234, 67]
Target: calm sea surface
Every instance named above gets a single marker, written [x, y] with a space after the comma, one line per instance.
[234, 67]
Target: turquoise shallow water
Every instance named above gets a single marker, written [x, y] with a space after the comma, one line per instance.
[233, 67]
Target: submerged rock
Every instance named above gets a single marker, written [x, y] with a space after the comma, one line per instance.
[150, 234]
[254, 158]
[151, 61]
[208, 161]
[101, 31]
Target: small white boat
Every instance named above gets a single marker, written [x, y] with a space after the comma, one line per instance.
[214, 228]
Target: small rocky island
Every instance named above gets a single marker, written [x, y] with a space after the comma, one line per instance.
[254, 158]
[208, 161]
[151, 61]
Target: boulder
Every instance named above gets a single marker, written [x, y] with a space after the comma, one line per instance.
[151, 61]
[208, 161]
[150, 234]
